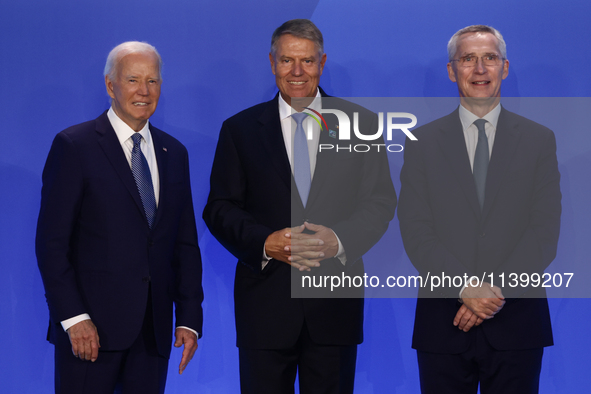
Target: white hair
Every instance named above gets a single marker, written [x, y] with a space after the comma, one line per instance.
[122, 50]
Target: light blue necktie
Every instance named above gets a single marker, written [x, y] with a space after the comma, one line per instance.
[143, 179]
[481, 158]
[301, 159]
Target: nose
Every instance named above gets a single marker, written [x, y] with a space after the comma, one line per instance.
[480, 68]
[143, 89]
[297, 69]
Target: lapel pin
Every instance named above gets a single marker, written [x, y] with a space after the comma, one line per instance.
[332, 134]
[164, 149]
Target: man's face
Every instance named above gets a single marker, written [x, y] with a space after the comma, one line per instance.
[136, 88]
[479, 81]
[297, 67]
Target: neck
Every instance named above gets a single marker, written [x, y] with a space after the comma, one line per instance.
[299, 103]
[480, 106]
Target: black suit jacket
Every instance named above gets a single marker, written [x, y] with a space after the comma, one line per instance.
[444, 230]
[253, 194]
[95, 250]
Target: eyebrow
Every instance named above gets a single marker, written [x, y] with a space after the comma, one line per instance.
[136, 77]
[485, 54]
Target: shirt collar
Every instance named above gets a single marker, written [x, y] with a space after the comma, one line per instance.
[467, 117]
[123, 131]
[285, 109]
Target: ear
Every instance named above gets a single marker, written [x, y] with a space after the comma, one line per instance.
[272, 60]
[505, 69]
[451, 73]
[322, 61]
[109, 86]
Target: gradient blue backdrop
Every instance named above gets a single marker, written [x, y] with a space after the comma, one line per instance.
[215, 53]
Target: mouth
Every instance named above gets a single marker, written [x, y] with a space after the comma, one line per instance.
[296, 83]
[140, 104]
[480, 83]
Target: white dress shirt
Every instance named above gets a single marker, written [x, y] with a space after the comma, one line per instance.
[471, 131]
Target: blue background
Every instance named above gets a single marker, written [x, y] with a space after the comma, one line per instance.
[215, 53]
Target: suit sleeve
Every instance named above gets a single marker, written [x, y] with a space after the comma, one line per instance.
[537, 246]
[61, 197]
[188, 267]
[225, 214]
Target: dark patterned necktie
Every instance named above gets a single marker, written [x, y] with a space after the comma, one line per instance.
[143, 179]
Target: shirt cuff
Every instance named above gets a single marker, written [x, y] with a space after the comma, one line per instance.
[265, 260]
[341, 252]
[190, 329]
[461, 291]
[66, 324]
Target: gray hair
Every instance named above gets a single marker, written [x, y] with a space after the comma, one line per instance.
[300, 28]
[127, 48]
[452, 45]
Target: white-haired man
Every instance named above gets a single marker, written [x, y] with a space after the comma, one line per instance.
[117, 242]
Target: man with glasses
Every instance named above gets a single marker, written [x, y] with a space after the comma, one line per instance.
[480, 196]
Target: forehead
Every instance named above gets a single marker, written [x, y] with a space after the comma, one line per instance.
[146, 62]
[289, 45]
[477, 43]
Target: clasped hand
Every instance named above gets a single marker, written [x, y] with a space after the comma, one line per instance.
[480, 303]
[303, 247]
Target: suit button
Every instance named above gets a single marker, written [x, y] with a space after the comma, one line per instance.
[146, 279]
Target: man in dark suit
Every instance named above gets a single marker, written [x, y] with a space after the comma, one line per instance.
[117, 242]
[284, 221]
[480, 196]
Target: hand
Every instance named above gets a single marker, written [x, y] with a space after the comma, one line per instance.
[85, 340]
[189, 339]
[466, 319]
[330, 244]
[280, 246]
[310, 249]
[485, 301]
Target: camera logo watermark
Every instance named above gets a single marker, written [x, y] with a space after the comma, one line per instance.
[392, 120]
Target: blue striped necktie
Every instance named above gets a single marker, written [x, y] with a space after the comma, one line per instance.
[143, 179]
[481, 158]
[301, 159]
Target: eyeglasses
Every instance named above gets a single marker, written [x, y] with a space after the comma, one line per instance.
[487, 60]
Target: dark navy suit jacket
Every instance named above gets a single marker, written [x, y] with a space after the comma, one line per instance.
[95, 250]
[444, 230]
[253, 194]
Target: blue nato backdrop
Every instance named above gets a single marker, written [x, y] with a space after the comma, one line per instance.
[215, 54]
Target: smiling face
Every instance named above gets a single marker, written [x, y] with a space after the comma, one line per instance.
[135, 89]
[480, 81]
[297, 67]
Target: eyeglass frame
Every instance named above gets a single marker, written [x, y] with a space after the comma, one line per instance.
[481, 58]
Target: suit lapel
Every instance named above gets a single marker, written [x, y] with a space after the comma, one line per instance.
[112, 149]
[162, 161]
[271, 138]
[324, 160]
[506, 141]
[453, 145]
